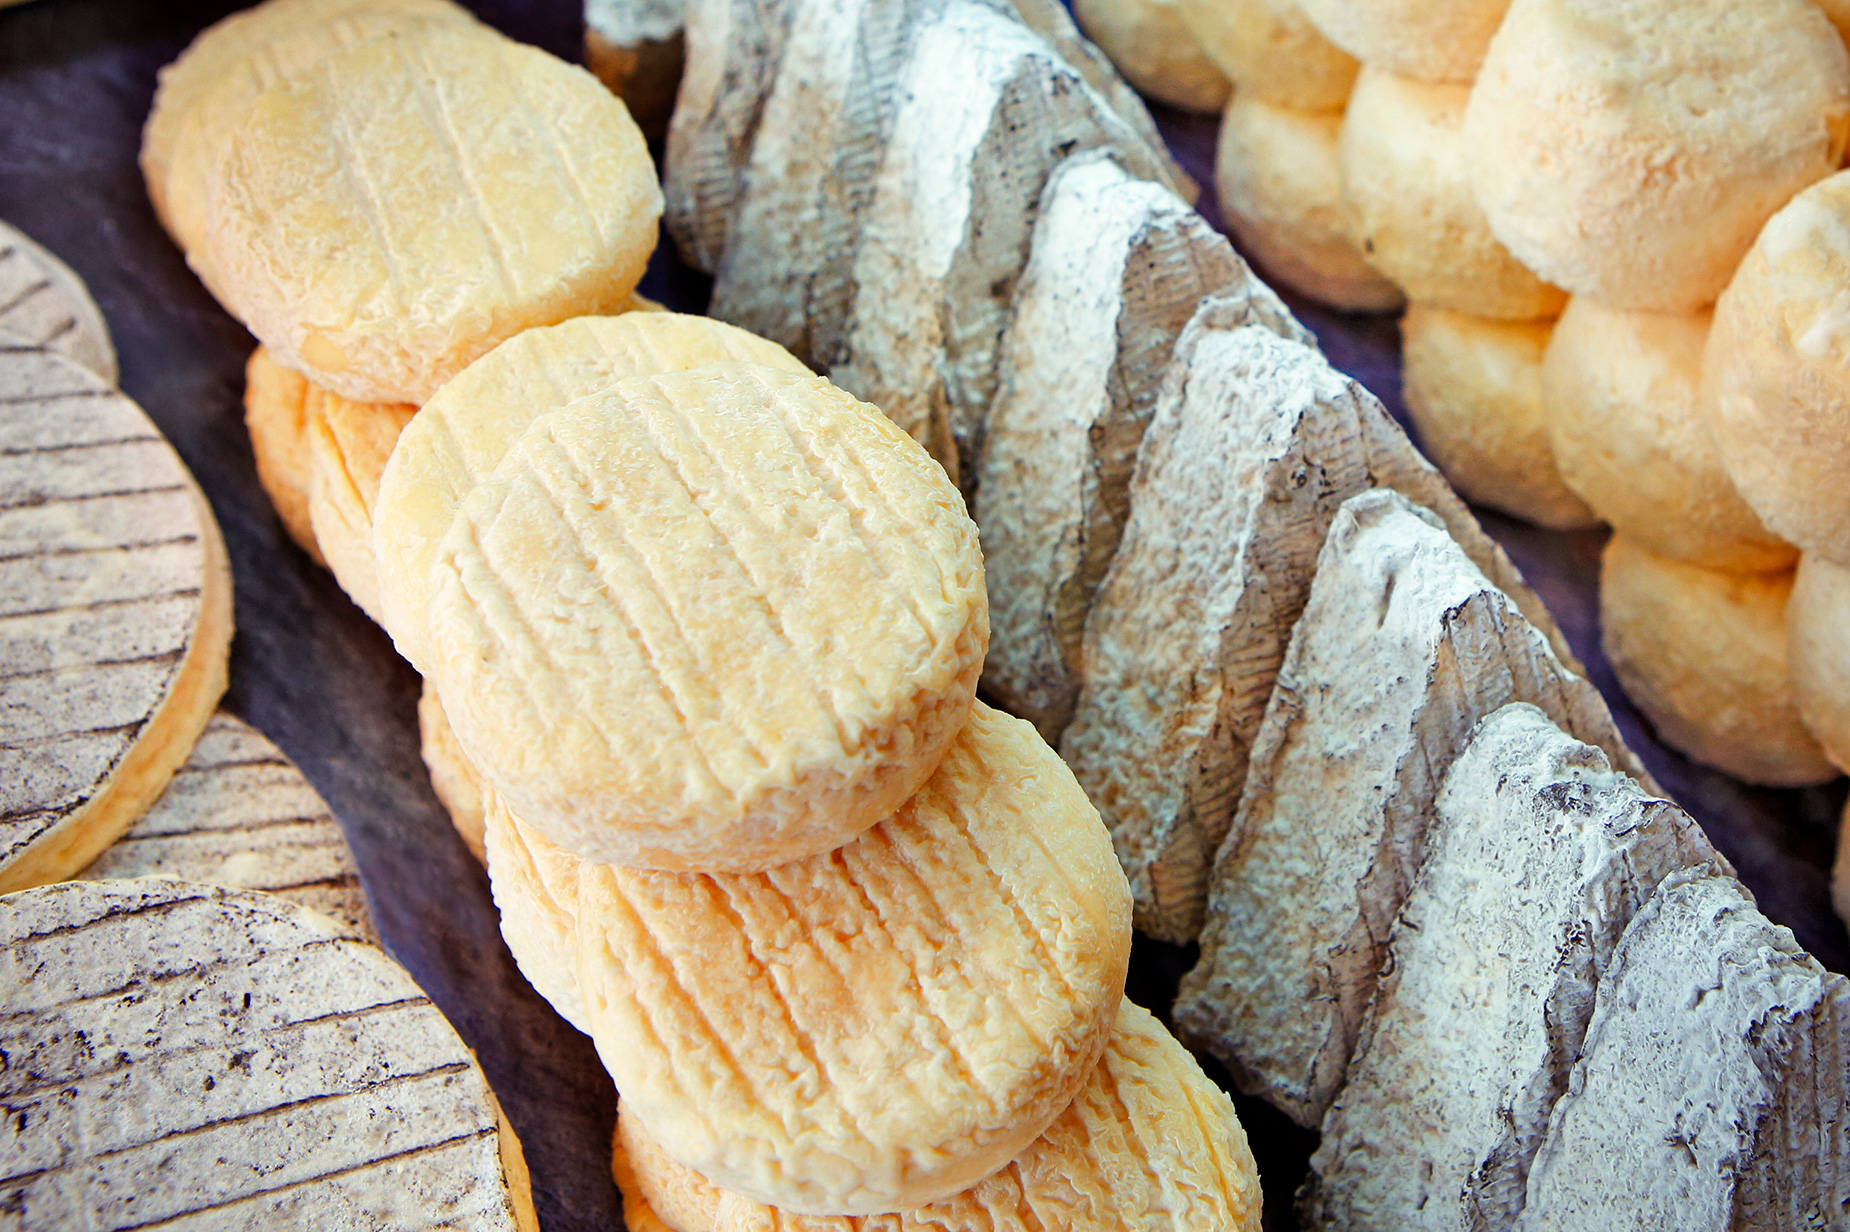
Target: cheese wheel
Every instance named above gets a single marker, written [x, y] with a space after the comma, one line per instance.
[1280, 188]
[202, 1058]
[462, 433]
[709, 620]
[1408, 206]
[239, 814]
[1473, 390]
[1150, 44]
[458, 787]
[115, 615]
[348, 446]
[208, 91]
[1629, 150]
[1433, 40]
[391, 214]
[1705, 655]
[1818, 625]
[1270, 51]
[43, 303]
[1619, 393]
[1776, 372]
[876, 1027]
[276, 416]
[1150, 1144]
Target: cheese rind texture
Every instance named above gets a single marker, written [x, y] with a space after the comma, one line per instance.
[43, 303]
[1150, 1144]
[882, 1025]
[207, 1058]
[463, 432]
[389, 215]
[709, 620]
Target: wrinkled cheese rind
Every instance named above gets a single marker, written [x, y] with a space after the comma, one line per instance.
[115, 614]
[1711, 1093]
[1254, 443]
[205, 1058]
[239, 814]
[461, 434]
[881, 1025]
[713, 619]
[1539, 856]
[1150, 1144]
[1402, 648]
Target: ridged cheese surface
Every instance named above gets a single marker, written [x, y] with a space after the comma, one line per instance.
[1150, 1144]
[881, 1025]
[115, 614]
[392, 213]
[276, 416]
[239, 814]
[349, 444]
[193, 1058]
[42, 302]
[454, 780]
[709, 620]
[464, 431]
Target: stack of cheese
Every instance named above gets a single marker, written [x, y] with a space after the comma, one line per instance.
[383, 190]
[709, 629]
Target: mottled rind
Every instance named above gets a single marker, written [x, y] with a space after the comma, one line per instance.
[1117, 267]
[204, 1058]
[1150, 1144]
[1255, 442]
[1402, 648]
[42, 303]
[115, 614]
[1712, 1092]
[882, 1025]
[1538, 857]
[239, 814]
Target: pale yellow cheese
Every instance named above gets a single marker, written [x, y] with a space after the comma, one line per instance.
[455, 781]
[348, 445]
[276, 416]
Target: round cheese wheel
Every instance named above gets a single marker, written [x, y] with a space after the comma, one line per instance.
[43, 303]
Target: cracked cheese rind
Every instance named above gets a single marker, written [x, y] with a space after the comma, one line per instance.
[42, 302]
[1148, 1145]
[206, 1058]
[463, 432]
[1539, 856]
[879, 1026]
[239, 814]
[115, 614]
[1403, 646]
[709, 620]
[1711, 1092]
[389, 215]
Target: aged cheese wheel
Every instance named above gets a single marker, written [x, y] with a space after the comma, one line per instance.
[1280, 188]
[471, 187]
[879, 1026]
[535, 885]
[115, 614]
[1153, 47]
[1776, 372]
[1434, 40]
[459, 788]
[1403, 647]
[1620, 398]
[197, 1058]
[1270, 50]
[205, 94]
[349, 444]
[276, 416]
[1712, 1092]
[708, 620]
[1150, 1144]
[1408, 206]
[43, 303]
[1539, 856]
[1117, 267]
[1818, 632]
[1254, 444]
[239, 814]
[1629, 150]
[1704, 654]
[461, 434]
[1473, 389]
